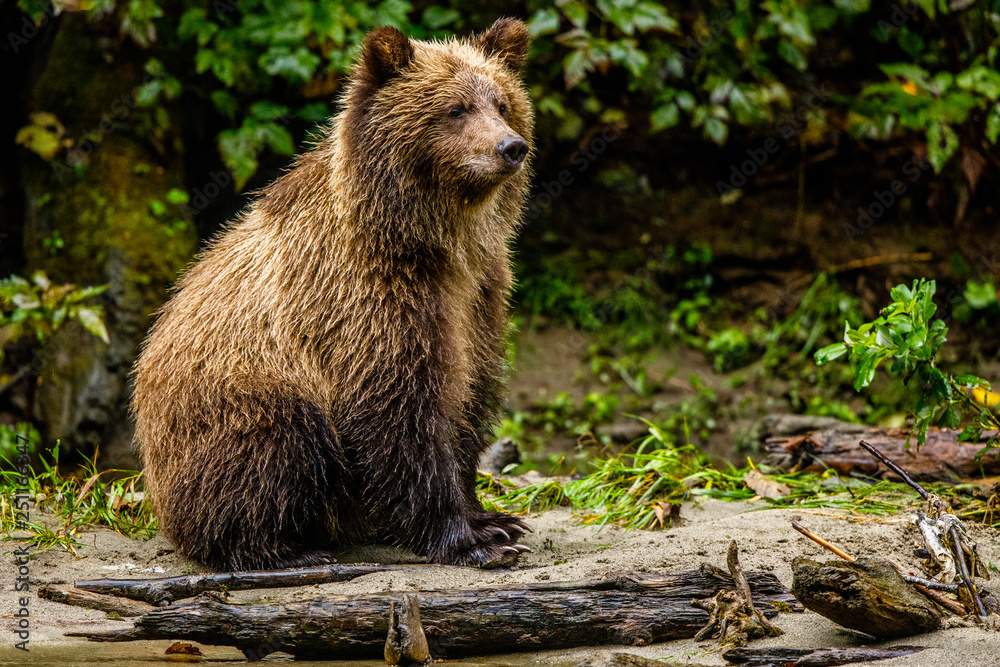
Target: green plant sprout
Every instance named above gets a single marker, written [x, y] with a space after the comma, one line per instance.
[907, 336]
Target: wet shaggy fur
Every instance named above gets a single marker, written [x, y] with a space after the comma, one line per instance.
[330, 369]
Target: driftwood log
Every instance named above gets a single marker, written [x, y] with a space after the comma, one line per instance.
[168, 589]
[633, 609]
[867, 595]
[941, 458]
[813, 657]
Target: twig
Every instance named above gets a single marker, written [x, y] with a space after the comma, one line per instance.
[956, 537]
[871, 449]
[876, 260]
[823, 543]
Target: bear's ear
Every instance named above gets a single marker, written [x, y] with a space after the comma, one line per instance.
[507, 39]
[386, 51]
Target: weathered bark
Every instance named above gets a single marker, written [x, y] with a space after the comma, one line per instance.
[101, 196]
[87, 600]
[168, 589]
[813, 657]
[633, 609]
[940, 458]
[620, 660]
[866, 595]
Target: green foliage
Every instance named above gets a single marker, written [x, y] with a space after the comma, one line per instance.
[981, 304]
[908, 337]
[22, 438]
[71, 504]
[561, 415]
[715, 68]
[40, 308]
[640, 302]
[639, 489]
[936, 104]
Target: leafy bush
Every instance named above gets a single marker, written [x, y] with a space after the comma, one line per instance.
[926, 69]
[907, 336]
[38, 307]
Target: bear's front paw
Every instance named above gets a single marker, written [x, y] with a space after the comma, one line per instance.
[488, 540]
[503, 528]
[489, 556]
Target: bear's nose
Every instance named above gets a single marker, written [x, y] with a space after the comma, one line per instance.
[513, 150]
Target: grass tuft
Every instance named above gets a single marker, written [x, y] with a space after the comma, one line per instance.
[72, 503]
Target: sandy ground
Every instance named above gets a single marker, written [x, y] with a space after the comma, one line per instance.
[563, 550]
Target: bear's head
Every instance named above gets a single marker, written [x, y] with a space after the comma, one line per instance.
[451, 116]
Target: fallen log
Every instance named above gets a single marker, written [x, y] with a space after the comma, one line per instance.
[813, 657]
[941, 458]
[631, 609]
[168, 589]
[867, 595]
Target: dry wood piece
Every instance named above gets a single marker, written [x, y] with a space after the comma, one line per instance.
[813, 657]
[634, 609]
[927, 587]
[732, 616]
[406, 643]
[867, 595]
[106, 603]
[168, 589]
[941, 458]
[945, 532]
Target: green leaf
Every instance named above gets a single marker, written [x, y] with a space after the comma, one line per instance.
[575, 67]
[993, 124]
[147, 93]
[238, 155]
[267, 110]
[650, 15]
[927, 5]
[157, 207]
[830, 352]
[942, 142]
[853, 6]
[92, 320]
[84, 293]
[436, 17]
[791, 54]
[297, 65]
[277, 138]
[576, 12]
[664, 117]
[544, 22]
[225, 103]
[716, 130]
[177, 196]
[970, 433]
[972, 381]
[950, 417]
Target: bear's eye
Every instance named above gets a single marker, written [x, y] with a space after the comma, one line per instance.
[502, 109]
[456, 111]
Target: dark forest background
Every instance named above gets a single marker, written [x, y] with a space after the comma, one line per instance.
[720, 186]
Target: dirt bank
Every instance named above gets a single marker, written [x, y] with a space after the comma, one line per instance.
[563, 550]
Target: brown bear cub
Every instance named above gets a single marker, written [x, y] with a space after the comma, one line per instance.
[331, 368]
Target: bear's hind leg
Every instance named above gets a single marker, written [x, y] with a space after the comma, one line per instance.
[268, 499]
